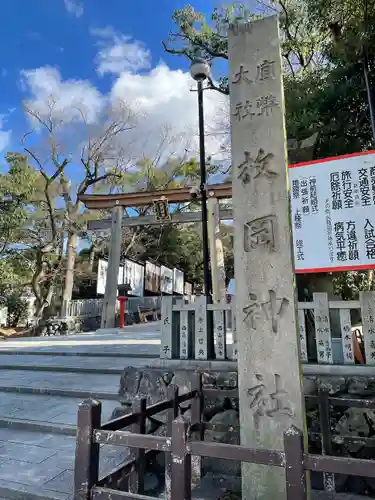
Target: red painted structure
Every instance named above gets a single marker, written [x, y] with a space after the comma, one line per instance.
[122, 300]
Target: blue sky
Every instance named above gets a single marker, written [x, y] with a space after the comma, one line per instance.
[62, 48]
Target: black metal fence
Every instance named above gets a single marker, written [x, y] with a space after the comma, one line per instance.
[183, 454]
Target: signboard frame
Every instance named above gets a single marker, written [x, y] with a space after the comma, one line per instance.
[141, 278]
[101, 279]
[161, 209]
[166, 276]
[333, 268]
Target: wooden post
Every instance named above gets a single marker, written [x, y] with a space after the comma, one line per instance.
[172, 395]
[86, 467]
[325, 429]
[269, 371]
[219, 334]
[234, 330]
[201, 327]
[295, 473]
[166, 347]
[347, 336]
[196, 418]
[322, 328]
[181, 462]
[302, 335]
[137, 475]
[110, 295]
[367, 300]
[185, 335]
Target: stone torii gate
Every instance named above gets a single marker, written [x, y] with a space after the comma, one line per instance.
[297, 151]
[117, 203]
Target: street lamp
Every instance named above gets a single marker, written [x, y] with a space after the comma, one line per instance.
[200, 71]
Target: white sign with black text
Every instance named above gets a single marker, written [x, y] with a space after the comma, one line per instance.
[333, 213]
[102, 276]
[178, 281]
[166, 282]
[120, 279]
[134, 275]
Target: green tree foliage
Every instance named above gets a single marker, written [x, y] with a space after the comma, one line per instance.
[322, 47]
[196, 36]
[17, 308]
[38, 241]
[16, 188]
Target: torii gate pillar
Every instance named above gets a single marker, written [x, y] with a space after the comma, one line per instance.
[110, 295]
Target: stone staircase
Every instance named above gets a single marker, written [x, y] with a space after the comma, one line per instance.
[42, 382]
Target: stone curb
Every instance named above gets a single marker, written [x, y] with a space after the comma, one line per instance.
[61, 392]
[79, 354]
[31, 425]
[64, 369]
[18, 491]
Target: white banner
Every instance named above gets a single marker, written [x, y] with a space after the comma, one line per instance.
[178, 281]
[102, 276]
[188, 288]
[166, 281]
[134, 275]
[120, 279]
[152, 280]
[333, 213]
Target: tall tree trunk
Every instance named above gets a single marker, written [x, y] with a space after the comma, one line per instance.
[69, 273]
[42, 303]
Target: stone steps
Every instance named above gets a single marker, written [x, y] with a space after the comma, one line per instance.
[62, 362]
[42, 382]
[37, 411]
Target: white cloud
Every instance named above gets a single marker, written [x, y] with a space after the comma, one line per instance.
[65, 100]
[74, 8]
[119, 53]
[164, 98]
[160, 97]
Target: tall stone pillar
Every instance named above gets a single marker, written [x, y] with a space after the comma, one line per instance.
[110, 295]
[269, 372]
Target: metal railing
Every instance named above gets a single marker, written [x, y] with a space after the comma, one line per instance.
[185, 469]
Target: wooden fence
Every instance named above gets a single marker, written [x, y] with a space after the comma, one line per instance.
[184, 328]
[185, 469]
[88, 308]
[85, 308]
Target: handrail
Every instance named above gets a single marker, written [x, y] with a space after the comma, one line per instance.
[178, 471]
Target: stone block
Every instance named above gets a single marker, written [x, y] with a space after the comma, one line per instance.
[334, 385]
[230, 419]
[361, 386]
[149, 384]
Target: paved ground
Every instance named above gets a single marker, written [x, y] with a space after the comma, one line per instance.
[48, 409]
[135, 340]
[41, 462]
